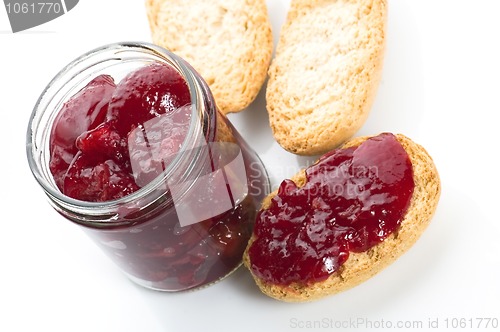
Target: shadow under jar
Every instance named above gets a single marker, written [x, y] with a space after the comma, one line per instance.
[127, 142]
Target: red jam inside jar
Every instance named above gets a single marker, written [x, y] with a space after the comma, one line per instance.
[352, 200]
[97, 129]
[114, 137]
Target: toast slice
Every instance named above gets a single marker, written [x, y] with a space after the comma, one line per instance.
[229, 42]
[361, 266]
[327, 68]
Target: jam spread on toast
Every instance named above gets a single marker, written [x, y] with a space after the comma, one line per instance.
[352, 199]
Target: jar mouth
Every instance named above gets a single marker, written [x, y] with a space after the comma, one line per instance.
[62, 86]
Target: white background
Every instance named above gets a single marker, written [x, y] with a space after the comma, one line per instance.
[440, 87]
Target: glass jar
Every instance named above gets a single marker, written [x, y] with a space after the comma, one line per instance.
[188, 225]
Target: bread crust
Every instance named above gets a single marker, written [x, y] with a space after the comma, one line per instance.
[327, 68]
[361, 266]
[229, 42]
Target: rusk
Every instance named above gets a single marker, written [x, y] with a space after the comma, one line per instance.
[229, 42]
[327, 68]
[361, 266]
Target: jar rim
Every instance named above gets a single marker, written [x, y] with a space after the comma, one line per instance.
[159, 54]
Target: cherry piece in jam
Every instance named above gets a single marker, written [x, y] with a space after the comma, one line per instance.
[82, 112]
[353, 199]
[153, 91]
[97, 181]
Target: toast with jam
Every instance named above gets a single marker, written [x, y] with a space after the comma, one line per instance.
[344, 219]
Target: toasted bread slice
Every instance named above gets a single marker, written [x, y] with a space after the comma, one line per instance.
[229, 42]
[327, 68]
[362, 266]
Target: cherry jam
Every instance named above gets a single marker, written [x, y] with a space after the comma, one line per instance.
[352, 200]
[127, 142]
[97, 130]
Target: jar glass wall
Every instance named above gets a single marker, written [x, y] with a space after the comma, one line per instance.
[192, 215]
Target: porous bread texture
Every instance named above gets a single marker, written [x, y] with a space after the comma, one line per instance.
[327, 68]
[361, 266]
[229, 42]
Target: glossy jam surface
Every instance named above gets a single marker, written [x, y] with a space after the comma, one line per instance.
[353, 199]
[95, 141]
[112, 138]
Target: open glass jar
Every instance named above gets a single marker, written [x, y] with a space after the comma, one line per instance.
[188, 222]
